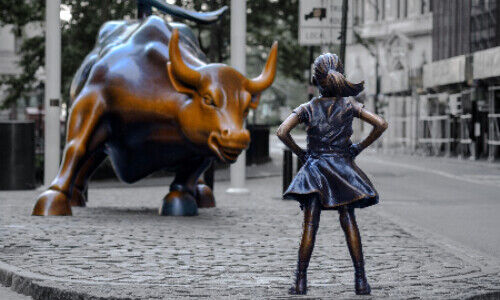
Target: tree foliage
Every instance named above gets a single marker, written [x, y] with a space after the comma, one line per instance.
[77, 37]
[19, 13]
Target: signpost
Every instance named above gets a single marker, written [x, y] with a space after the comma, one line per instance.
[52, 137]
[323, 23]
[320, 22]
[238, 61]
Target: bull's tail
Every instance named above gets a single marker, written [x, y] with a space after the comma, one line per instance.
[198, 17]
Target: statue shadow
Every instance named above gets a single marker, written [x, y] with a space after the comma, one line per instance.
[115, 210]
[148, 212]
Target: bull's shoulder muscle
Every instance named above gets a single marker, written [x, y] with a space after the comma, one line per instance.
[111, 33]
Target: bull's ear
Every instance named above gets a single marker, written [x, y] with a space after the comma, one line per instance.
[178, 86]
[254, 101]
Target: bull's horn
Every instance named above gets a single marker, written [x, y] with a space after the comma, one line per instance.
[181, 71]
[266, 78]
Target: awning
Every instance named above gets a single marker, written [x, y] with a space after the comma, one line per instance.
[486, 63]
[443, 72]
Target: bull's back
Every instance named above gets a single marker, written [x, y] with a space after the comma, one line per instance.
[143, 41]
[110, 34]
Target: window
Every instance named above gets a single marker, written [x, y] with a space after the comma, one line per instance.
[359, 11]
[356, 13]
[382, 9]
[362, 11]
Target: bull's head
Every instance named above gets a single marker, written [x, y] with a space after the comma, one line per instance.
[220, 98]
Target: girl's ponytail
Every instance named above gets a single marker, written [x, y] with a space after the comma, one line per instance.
[331, 82]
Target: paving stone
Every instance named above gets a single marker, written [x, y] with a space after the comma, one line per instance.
[246, 247]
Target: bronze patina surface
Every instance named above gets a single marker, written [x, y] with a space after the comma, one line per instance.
[146, 98]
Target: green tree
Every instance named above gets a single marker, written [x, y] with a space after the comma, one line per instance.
[268, 21]
[77, 37]
[19, 13]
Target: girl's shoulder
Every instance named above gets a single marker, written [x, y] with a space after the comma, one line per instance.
[304, 111]
[356, 106]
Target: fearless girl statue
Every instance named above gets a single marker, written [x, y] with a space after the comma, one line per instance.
[329, 178]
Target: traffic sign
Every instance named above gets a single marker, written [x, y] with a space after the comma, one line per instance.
[320, 22]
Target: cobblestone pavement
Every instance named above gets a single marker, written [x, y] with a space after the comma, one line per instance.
[246, 247]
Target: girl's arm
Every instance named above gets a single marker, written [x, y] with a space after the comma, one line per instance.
[379, 126]
[283, 134]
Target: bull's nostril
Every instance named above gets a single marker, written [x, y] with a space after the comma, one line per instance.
[225, 132]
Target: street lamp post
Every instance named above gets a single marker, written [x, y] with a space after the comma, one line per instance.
[238, 61]
[52, 138]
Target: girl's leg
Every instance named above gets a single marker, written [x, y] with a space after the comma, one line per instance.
[351, 231]
[312, 212]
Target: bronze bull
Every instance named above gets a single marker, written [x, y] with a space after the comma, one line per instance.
[150, 102]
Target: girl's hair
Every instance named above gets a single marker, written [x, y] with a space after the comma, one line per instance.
[328, 77]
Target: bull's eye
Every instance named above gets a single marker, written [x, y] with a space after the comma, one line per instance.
[208, 100]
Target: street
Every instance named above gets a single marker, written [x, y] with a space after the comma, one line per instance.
[459, 200]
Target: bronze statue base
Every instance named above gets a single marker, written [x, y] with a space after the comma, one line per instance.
[205, 197]
[52, 203]
[78, 198]
[178, 203]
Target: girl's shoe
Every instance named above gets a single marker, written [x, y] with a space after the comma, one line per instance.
[300, 287]
[361, 284]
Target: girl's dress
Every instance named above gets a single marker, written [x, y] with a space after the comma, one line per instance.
[329, 171]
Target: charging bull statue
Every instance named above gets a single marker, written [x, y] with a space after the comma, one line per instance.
[146, 98]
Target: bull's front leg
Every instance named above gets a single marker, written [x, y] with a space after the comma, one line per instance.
[186, 191]
[84, 137]
[82, 179]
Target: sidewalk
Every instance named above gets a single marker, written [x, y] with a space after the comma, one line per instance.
[246, 247]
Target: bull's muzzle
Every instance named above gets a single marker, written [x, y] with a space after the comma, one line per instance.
[227, 145]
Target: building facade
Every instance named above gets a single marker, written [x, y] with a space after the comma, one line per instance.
[9, 57]
[390, 41]
[8, 60]
[461, 83]
[433, 70]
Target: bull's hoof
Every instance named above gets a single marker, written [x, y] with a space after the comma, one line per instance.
[77, 198]
[205, 197]
[178, 203]
[52, 203]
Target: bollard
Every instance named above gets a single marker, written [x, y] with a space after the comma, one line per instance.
[287, 168]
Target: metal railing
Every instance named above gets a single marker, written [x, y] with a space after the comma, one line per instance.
[466, 145]
[435, 134]
[400, 137]
[494, 134]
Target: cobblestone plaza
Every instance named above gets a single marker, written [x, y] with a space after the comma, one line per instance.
[246, 247]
